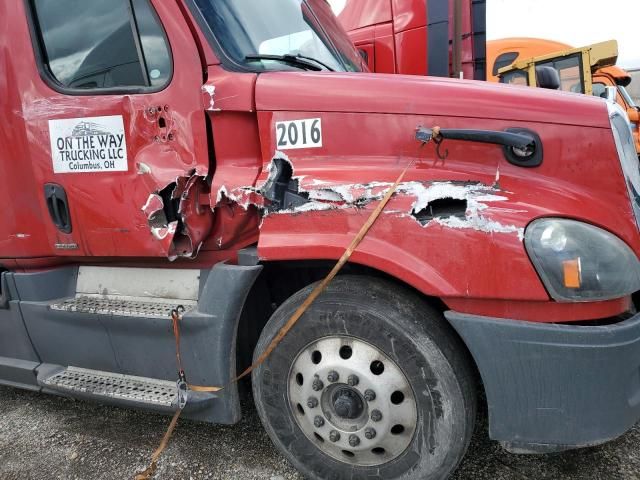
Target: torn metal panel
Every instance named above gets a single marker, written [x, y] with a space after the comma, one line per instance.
[448, 204]
[281, 189]
[476, 196]
[159, 225]
[244, 197]
[196, 217]
[177, 217]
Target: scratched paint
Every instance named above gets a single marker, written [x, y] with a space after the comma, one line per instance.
[210, 91]
[324, 196]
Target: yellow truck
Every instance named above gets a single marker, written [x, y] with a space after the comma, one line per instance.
[590, 70]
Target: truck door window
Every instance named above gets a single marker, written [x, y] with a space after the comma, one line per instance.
[246, 28]
[515, 77]
[503, 60]
[93, 44]
[570, 71]
[600, 90]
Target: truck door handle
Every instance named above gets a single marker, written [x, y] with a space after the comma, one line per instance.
[58, 206]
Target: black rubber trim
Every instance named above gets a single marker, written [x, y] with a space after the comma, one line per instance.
[5, 296]
[555, 386]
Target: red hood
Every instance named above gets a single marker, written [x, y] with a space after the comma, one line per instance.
[404, 94]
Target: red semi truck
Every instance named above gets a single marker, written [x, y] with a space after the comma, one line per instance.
[444, 38]
[221, 156]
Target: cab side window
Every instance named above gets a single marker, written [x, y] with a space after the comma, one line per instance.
[570, 71]
[600, 90]
[515, 77]
[504, 60]
[97, 44]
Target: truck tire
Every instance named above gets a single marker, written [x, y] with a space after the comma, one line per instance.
[370, 383]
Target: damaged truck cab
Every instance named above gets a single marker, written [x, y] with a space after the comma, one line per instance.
[221, 156]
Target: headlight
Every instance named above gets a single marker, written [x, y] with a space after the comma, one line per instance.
[578, 262]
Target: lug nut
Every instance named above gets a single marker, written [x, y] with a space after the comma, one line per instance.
[370, 433]
[354, 440]
[333, 376]
[369, 395]
[312, 402]
[318, 421]
[334, 436]
[317, 385]
[376, 415]
[353, 380]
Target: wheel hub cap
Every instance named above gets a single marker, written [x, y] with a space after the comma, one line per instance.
[352, 401]
[347, 403]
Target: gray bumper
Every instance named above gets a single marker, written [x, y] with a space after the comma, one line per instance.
[554, 387]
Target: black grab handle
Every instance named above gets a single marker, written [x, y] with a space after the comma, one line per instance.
[508, 139]
[521, 147]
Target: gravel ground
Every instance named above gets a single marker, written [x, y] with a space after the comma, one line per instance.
[46, 438]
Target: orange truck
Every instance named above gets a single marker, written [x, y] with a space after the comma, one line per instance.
[503, 52]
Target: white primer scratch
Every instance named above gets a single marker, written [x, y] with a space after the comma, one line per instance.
[143, 168]
[324, 195]
[477, 197]
[211, 91]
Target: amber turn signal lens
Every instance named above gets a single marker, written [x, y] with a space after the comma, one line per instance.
[571, 269]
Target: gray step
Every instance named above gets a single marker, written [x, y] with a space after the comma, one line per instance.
[126, 307]
[116, 387]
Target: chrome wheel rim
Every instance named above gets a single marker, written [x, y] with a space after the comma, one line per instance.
[352, 401]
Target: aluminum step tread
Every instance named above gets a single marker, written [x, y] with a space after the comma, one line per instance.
[119, 306]
[142, 390]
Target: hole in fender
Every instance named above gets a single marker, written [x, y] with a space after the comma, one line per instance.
[441, 208]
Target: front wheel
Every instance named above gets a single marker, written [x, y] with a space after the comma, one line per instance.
[370, 383]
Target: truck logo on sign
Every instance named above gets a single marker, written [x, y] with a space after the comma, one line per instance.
[88, 145]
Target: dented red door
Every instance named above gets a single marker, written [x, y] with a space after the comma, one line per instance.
[129, 164]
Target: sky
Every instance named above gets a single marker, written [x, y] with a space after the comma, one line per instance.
[576, 22]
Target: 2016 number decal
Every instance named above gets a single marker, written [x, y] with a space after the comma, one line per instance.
[299, 134]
